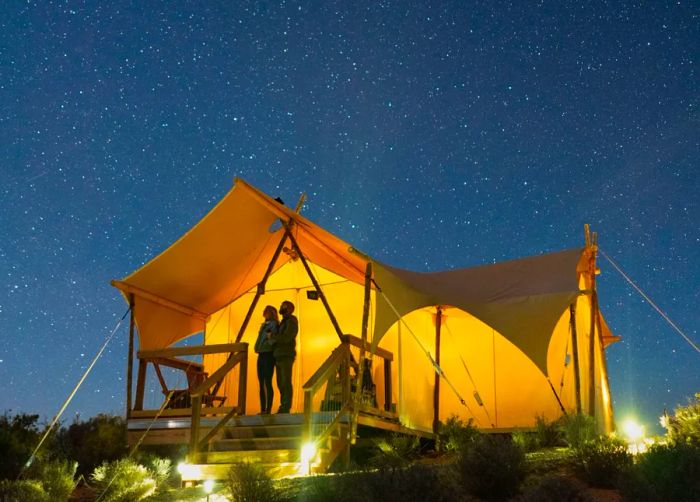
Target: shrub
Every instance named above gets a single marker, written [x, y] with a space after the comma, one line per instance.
[665, 473]
[492, 467]
[395, 451]
[416, 482]
[603, 460]
[685, 425]
[100, 439]
[578, 429]
[548, 434]
[557, 489]
[250, 483]
[527, 441]
[124, 481]
[22, 491]
[56, 477]
[19, 434]
[456, 434]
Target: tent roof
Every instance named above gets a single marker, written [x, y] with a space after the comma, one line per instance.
[228, 251]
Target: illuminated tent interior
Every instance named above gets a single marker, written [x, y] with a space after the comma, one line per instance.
[506, 351]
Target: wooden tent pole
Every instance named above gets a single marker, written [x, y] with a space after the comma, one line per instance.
[130, 360]
[363, 334]
[260, 290]
[574, 346]
[296, 247]
[594, 314]
[436, 390]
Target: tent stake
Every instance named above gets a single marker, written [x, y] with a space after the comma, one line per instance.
[436, 390]
[130, 360]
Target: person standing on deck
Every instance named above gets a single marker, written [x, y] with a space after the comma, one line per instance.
[266, 361]
[284, 344]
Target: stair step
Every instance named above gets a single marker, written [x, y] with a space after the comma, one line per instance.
[262, 443]
[256, 456]
[262, 431]
[203, 472]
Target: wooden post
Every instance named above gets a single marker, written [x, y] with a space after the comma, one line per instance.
[574, 346]
[130, 360]
[361, 369]
[594, 315]
[296, 247]
[436, 391]
[194, 428]
[140, 384]
[261, 288]
[387, 385]
[243, 383]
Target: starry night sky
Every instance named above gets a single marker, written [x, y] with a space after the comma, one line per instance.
[431, 135]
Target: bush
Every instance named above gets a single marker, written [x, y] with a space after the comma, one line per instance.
[417, 482]
[578, 429]
[548, 434]
[456, 434]
[22, 491]
[603, 460]
[124, 481]
[557, 489]
[250, 483]
[492, 467]
[685, 425]
[56, 477]
[527, 441]
[19, 434]
[100, 439]
[395, 451]
[665, 473]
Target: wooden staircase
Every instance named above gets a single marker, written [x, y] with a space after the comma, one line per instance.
[273, 442]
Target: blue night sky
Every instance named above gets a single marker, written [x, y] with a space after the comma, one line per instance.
[431, 135]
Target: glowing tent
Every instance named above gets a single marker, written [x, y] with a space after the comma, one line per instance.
[500, 343]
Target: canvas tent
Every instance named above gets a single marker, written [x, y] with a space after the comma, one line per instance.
[513, 340]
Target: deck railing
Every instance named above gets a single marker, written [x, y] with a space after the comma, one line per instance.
[339, 402]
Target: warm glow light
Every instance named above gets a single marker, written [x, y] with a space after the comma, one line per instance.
[208, 486]
[308, 452]
[633, 430]
[181, 468]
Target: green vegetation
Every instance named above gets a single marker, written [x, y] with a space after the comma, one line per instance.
[603, 460]
[250, 483]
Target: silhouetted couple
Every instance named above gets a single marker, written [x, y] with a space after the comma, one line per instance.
[276, 349]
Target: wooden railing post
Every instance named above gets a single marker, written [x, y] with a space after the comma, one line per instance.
[243, 382]
[387, 385]
[140, 385]
[194, 429]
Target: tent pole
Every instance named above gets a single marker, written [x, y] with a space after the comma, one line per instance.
[365, 323]
[594, 314]
[574, 346]
[261, 287]
[130, 360]
[436, 390]
[296, 247]
[604, 366]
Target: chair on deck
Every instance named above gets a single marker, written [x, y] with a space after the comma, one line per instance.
[182, 398]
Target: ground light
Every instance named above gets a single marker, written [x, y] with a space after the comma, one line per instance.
[634, 432]
[308, 453]
[208, 487]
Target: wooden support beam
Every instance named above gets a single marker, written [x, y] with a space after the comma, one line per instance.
[194, 350]
[436, 390]
[194, 428]
[130, 359]
[592, 330]
[387, 385]
[260, 290]
[140, 385]
[242, 384]
[574, 347]
[164, 302]
[317, 286]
